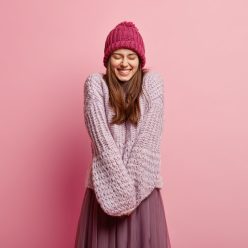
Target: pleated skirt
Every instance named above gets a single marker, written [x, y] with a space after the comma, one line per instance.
[145, 227]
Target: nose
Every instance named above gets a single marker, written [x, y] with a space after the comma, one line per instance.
[124, 62]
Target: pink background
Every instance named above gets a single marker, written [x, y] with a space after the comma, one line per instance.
[47, 50]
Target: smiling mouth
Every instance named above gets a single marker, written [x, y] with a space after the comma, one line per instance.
[124, 71]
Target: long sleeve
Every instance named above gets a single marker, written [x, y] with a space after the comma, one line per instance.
[113, 186]
[144, 160]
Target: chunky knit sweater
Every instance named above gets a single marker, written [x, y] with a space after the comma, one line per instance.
[125, 165]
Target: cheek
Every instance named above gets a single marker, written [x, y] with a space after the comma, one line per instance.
[114, 62]
[135, 63]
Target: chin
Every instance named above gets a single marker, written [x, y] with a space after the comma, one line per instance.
[123, 78]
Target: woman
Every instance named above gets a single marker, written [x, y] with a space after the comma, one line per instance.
[123, 112]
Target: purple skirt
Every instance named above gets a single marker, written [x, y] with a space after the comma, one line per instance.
[146, 227]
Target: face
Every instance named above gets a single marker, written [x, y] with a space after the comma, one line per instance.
[124, 63]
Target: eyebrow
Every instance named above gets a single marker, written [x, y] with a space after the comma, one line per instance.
[122, 54]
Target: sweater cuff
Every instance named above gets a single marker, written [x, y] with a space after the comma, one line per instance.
[113, 186]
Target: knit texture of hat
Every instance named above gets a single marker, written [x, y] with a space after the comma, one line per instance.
[124, 35]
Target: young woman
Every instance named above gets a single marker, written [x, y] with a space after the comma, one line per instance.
[123, 113]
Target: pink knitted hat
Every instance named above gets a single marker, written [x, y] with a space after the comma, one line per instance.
[124, 35]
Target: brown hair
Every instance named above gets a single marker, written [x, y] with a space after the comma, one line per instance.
[124, 96]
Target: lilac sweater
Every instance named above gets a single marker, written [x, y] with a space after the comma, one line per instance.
[125, 165]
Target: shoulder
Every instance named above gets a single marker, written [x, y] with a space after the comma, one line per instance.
[93, 84]
[153, 84]
[93, 79]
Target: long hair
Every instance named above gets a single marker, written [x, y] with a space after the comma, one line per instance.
[124, 96]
